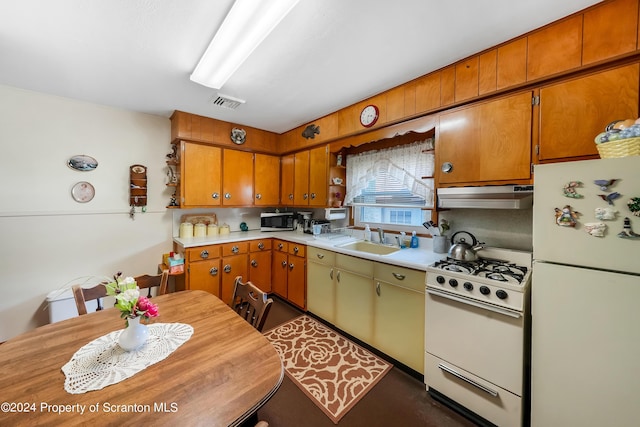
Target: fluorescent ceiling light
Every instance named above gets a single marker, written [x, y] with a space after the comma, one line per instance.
[248, 23]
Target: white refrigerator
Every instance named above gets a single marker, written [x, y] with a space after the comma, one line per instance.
[585, 294]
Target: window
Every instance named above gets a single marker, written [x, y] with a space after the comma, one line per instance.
[392, 188]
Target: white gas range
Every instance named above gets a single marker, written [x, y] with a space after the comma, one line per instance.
[476, 335]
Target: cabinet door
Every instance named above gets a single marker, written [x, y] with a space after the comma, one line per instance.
[467, 74]
[280, 267]
[354, 304]
[237, 179]
[399, 324]
[318, 172]
[296, 281]
[487, 142]
[267, 180]
[610, 30]
[321, 291]
[232, 266]
[512, 64]
[200, 177]
[572, 113]
[301, 178]
[205, 276]
[555, 48]
[286, 180]
[260, 269]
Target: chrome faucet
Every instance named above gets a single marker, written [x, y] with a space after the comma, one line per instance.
[381, 235]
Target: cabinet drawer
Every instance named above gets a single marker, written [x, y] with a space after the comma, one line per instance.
[260, 245]
[321, 256]
[202, 253]
[280, 246]
[400, 276]
[235, 248]
[297, 249]
[355, 265]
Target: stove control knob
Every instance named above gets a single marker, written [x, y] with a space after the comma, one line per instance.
[484, 290]
[453, 283]
[440, 279]
[501, 294]
[468, 286]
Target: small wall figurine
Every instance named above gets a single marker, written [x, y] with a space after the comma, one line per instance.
[627, 232]
[596, 229]
[604, 183]
[609, 198]
[570, 190]
[566, 217]
[606, 214]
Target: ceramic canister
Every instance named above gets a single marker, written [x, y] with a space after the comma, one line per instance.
[199, 230]
[212, 230]
[224, 229]
[186, 230]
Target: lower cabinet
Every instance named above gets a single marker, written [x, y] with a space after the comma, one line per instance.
[203, 269]
[260, 264]
[354, 296]
[398, 328]
[289, 272]
[380, 304]
[234, 262]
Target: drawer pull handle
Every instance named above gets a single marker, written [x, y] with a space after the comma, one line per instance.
[398, 276]
[468, 380]
[227, 268]
[260, 245]
[254, 263]
[320, 256]
[204, 254]
[213, 271]
[215, 195]
[295, 250]
[235, 249]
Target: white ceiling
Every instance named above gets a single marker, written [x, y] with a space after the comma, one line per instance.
[325, 55]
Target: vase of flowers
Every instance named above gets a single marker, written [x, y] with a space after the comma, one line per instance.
[133, 308]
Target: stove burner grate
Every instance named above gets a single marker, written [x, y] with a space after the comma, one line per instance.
[492, 269]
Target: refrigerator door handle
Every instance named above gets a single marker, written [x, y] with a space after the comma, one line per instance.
[479, 304]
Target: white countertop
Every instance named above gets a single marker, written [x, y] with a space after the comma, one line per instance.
[416, 258]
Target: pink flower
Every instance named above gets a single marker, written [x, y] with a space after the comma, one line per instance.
[146, 306]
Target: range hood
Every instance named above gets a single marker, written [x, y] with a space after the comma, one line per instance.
[489, 197]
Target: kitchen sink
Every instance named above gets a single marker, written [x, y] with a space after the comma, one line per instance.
[372, 248]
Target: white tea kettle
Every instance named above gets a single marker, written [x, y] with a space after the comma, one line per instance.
[463, 251]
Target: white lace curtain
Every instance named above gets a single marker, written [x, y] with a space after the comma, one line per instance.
[405, 164]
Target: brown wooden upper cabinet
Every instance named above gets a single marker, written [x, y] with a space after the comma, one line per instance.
[487, 72]
[466, 84]
[488, 141]
[427, 90]
[266, 180]
[237, 178]
[555, 48]
[448, 85]
[286, 179]
[573, 112]
[200, 175]
[610, 30]
[512, 63]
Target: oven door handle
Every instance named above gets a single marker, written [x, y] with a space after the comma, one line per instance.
[467, 380]
[479, 304]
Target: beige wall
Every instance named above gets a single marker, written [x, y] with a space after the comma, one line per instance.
[48, 239]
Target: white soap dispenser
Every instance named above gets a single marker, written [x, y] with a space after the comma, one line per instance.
[367, 233]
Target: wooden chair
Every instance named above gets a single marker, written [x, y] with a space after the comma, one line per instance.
[147, 282]
[251, 303]
[82, 295]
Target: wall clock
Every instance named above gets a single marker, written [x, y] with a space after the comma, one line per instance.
[369, 116]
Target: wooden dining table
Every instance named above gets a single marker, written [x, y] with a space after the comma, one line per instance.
[219, 377]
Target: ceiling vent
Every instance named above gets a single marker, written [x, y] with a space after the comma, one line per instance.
[226, 101]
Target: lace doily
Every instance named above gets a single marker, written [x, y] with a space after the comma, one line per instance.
[102, 362]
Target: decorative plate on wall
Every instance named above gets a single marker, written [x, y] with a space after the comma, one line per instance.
[83, 192]
[82, 163]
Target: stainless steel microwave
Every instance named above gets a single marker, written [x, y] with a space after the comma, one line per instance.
[276, 221]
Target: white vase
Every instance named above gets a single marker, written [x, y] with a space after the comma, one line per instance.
[133, 336]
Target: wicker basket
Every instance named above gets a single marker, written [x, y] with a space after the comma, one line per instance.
[620, 148]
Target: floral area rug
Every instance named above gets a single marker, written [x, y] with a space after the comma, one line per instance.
[332, 371]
